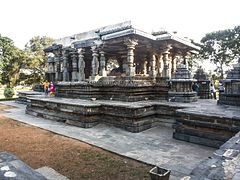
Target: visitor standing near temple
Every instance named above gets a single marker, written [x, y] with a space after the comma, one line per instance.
[51, 89]
[220, 88]
[213, 91]
[195, 87]
[45, 87]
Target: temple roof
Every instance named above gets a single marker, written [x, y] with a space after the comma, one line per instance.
[119, 30]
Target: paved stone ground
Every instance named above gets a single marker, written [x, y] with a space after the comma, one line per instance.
[154, 146]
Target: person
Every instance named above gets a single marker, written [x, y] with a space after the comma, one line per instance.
[213, 91]
[45, 87]
[195, 87]
[51, 88]
[220, 88]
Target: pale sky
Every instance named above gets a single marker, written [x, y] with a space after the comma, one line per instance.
[20, 20]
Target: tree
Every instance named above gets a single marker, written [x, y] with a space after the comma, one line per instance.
[11, 60]
[37, 60]
[221, 48]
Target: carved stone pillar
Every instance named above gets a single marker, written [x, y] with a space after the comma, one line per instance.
[175, 60]
[57, 68]
[95, 63]
[74, 66]
[65, 70]
[131, 43]
[102, 71]
[145, 67]
[153, 72]
[81, 64]
[158, 65]
[186, 56]
[165, 54]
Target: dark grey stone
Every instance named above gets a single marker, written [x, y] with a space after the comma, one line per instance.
[13, 168]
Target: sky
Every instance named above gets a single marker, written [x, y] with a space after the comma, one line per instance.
[21, 20]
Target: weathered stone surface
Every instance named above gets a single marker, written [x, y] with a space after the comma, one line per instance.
[118, 88]
[206, 125]
[203, 124]
[231, 95]
[22, 96]
[133, 117]
[12, 168]
[181, 86]
[203, 83]
[223, 164]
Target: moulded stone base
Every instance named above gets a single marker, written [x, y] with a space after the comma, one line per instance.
[185, 97]
[229, 99]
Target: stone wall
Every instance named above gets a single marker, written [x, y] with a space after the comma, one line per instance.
[134, 117]
[119, 91]
[204, 128]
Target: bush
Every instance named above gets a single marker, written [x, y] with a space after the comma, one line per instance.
[8, 92]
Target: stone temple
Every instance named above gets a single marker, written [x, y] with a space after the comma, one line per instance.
[130, 79]
[116, 62]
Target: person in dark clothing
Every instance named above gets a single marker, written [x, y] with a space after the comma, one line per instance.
[195, 87]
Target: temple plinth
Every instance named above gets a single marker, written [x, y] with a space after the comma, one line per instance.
[231, 95]
[181, 86]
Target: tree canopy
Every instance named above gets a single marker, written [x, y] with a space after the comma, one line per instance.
[221, 47]
[11, 60]
[31, 59]
[37, 60]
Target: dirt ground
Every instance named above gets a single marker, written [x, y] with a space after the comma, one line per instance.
[74, 159]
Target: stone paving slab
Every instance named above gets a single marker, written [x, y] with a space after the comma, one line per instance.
[11, 168]
[154, 146]
[50, 173]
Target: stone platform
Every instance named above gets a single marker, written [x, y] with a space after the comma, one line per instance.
[128, 89]
[131, 116]
[207, 123]
[154, 146]
[22, 96]
[201, 122]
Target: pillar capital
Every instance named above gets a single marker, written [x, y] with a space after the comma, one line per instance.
[130, 43]
[166, 50]
[94, 49]
[81, 51]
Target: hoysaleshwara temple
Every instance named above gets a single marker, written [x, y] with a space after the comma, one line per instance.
[127, 78]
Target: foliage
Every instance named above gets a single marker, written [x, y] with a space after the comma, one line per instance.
[14, 61]
[37, 60]
[8, 92]
[11, 60]
[221, 47]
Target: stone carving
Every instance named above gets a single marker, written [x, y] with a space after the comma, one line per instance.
[181, 86]
[231, 96]
[203, 83]
[130, 43]
[165, 54]
[102, 71]
[74, 66]
[145, 68]
[65, 71]
[153, 66]
[81, 64]
[95, 62]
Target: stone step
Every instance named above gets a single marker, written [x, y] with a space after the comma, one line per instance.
[50, 173]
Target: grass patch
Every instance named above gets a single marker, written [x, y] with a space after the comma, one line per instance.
[8, 99]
